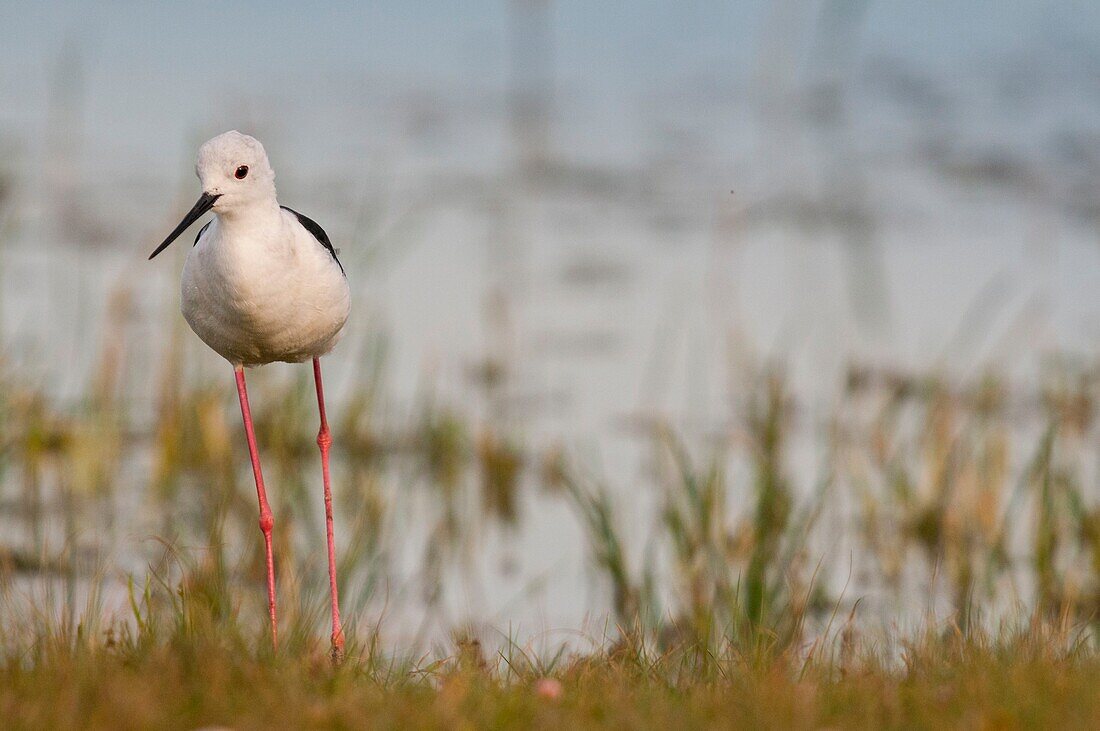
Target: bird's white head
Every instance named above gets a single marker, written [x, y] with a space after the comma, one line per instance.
[234, 167]
[235, 177]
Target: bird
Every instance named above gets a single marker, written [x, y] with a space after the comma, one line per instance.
[263, 284]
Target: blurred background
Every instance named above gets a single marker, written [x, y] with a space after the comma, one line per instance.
[657, 306]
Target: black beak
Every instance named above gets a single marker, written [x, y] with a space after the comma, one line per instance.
[206, 202]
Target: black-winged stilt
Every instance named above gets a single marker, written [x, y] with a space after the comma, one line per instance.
[262, 284]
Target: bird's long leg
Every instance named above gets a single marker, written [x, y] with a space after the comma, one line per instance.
[324, 441]
[267, 521]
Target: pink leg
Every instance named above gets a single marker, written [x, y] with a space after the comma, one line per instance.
[267, 522]
[324, 441]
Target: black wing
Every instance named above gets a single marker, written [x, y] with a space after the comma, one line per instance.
[202, 231]
[318, 233]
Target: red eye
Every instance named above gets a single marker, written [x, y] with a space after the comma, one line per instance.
[241, 172]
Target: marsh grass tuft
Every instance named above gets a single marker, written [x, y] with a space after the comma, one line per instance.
[183, 663]
[967, 508]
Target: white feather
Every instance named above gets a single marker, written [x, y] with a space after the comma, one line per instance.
[258, 287]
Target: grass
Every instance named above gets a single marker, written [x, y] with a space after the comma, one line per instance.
[754, 594]
[188, 669]
[724, 618]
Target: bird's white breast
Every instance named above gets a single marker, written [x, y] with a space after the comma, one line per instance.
[264, 290]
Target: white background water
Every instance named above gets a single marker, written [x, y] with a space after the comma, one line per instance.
[707, 210]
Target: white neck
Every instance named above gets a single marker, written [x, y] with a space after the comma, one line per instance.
[256, 215]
